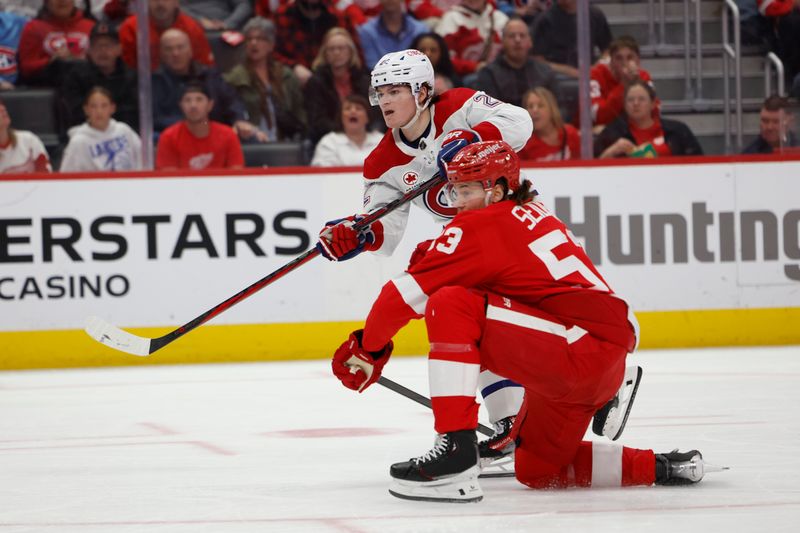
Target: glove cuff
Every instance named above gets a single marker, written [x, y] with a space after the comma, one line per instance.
[386, 351]
[377, 231]
[377, 355]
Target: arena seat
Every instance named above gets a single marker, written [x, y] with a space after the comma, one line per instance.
[225, 56]
[33, 110]
[276, 154]
[36, 110]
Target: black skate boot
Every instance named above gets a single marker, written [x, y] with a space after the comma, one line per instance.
[679, 468]
[447, 473]
[497, 452]
[610, 420]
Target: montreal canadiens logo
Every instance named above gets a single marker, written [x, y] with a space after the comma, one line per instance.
[436, 202]
[8, 61]
[410, 178]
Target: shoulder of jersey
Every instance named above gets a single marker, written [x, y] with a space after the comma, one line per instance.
[452, 100]
[383, 157]
[449, 102]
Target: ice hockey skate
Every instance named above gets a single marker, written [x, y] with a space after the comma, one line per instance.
[497, 452]
[610, 420]
[447, 473]
[682, 468]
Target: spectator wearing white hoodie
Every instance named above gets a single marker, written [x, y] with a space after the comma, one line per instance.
[101, 143]
[351, 142]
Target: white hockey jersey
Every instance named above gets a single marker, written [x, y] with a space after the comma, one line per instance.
[394, 167]
[92, 150]
[25, 156]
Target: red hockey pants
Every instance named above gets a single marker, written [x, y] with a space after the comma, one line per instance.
[567, 374]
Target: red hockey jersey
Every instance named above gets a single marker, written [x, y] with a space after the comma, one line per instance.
[519, 252]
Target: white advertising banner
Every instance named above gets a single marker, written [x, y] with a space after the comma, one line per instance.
[683, 237]
[151, 251]
[160, 251]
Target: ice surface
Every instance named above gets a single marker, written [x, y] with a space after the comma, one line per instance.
[283, 447]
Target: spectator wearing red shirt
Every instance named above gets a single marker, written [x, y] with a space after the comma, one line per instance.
[641, 132]
[164, 14]
[196, 142]
[301, 26]
[608, 80]
[58, 35]
[552, 139]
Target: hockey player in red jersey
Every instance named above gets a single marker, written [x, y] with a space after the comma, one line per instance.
[506, 287]
[426, 131]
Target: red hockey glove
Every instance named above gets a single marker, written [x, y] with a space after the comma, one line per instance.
[338, 241]
[452, 143]
[419, 252]
[357, 368]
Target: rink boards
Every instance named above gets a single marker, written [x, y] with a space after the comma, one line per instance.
[706, 250]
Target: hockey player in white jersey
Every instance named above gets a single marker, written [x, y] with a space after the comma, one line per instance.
[425, 132]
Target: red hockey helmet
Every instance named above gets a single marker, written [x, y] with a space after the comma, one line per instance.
[485, 161]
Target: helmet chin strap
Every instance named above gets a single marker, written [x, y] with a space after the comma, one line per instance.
[417, 114]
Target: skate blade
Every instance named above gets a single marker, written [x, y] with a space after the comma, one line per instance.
[707, 467]
[490, 475]
[616, 419]
[463, 488]
[503, 467]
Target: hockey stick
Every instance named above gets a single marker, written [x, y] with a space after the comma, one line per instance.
[114, 337]
[422, 400]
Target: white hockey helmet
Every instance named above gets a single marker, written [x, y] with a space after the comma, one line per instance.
[407, 67]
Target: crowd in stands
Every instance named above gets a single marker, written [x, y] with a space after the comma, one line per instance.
[302, 75]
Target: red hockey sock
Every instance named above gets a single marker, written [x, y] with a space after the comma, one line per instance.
[597, 464]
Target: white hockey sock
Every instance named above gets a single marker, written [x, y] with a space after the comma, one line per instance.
[501, 396]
